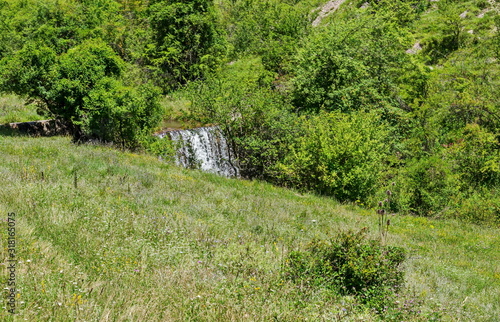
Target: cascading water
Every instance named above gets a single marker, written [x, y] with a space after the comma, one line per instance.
[204, 148]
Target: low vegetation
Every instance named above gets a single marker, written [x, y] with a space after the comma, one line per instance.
[110, 235]
[419, 78]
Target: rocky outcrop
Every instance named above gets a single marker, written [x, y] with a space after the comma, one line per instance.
[329, 8]
[39, 128]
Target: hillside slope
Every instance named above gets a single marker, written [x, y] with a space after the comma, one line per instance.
[110, 236]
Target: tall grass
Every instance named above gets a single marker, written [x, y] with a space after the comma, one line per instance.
[110, 236]
[14, 109]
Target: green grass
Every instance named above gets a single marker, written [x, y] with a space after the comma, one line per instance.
[14, 109]
[138, 239]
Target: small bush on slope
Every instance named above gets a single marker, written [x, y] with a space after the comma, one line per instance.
[351, 264]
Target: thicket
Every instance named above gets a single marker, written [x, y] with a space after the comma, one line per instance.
[187, 41]
[352, 105]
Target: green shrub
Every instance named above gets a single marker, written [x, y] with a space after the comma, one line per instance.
[254, 26]
[426, 186]
[350, 264]
[452, 175]
[121, 114]
[480, 206]
[187, 42]
[355, 63]
[476, 156]
[256, 121]
[340, 155]
[83, 87]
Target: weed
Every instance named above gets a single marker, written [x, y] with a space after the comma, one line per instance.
[383, 221]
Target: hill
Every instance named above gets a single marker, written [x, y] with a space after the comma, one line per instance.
[107, 235]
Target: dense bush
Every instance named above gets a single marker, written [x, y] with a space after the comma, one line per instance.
[83, 87]
[480, 206]
[350, 264]
[262, 26]
[450, 177]
[426, 186]
[187, 40]
[340, 155]
[257, 122]
[355, 63]
[59, 25]
[337, 154]
[121, 114]
[453, 151]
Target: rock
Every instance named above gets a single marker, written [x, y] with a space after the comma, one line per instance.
[415, 49]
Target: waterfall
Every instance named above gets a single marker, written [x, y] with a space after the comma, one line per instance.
[204, 148]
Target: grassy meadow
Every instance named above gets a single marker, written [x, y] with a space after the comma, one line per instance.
[15, 109]
[104, 235]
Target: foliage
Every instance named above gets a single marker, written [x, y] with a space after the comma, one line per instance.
[454, 146]
[476, 157]
[426, 186]
[479, 206]
[453, 174]
[465, 91]
[338, 154]
[82, 86]
[59, 25]
[256, 121]
[352, 264]
[447, 35]
[270, 28]
[352, 64]
[428, 69]
[187, 40]
[122, 115]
